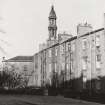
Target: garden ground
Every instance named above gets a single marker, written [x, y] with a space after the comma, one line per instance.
[40, 100]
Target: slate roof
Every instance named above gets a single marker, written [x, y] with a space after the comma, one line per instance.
[52, 14]
[74, 37]
[20, 59]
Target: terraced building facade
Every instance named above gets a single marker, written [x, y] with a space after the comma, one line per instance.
[77, 60]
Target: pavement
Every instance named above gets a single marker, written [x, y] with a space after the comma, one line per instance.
[41, 100]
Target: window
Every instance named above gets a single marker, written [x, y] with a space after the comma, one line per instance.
[98, 57]
[97, 40]
[92, 42]
[56, 52]
[36, 65]
[98, 65]
[63, 66]
[52, 22]
[53, 31]
[98, 73]
[25, 67]
[50, 67]
[67, 66]
[84, 82]
[98, 85]
[73, 47]
[84, 44]
[62, 48]
[84, 73]
[85, 58]
[84, 64]
[55, 67]
[84, 79]
[69, 46]
[50, 53]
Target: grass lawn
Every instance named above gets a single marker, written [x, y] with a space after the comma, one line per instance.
[40, 100]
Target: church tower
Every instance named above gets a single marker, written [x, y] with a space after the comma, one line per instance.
[52, 28]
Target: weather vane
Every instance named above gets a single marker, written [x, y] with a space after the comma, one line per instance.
[53, 2]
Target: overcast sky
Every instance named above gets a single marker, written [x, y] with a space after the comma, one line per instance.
[26, 21]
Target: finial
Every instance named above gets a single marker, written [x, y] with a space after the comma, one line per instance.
[52, 7]
[86, 23]
[64, 32]
[52, 13]
[53, 3]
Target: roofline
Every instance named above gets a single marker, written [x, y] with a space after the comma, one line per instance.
[73, 38]
[70, 39]
[49, 47]
[92, 32]
[62, 34]
[18, 61]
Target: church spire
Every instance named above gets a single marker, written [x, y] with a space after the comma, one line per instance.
[52, 14]
[52, 24]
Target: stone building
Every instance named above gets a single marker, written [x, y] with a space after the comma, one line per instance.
[49, 53]
[91, 57]
[67, 57]
[22, 65]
